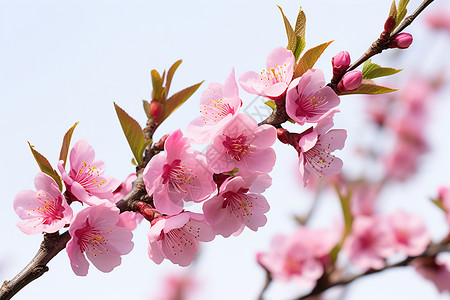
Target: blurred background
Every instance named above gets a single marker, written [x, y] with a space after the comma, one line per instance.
[64, 62]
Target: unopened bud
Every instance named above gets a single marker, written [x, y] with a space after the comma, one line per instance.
[283, 135]
[389, 25]
[156, 109]
[402, 41]
[350, 81]
[160, 144]
[340, 63]
[148, 212]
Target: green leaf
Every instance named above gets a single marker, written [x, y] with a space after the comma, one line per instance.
[157, 83]
[177, 99]
[133, 162]
[170, 74]
[369, 87]
[401, 11]
[271, 104]
[308, 59]
[300, 24]
[371, 70]
[133, 132]
[146, 105]
[66, 144]
[300, 47]
[438, 202]
[393, 10]
[141, 151]
[46, 167]
[292, 38]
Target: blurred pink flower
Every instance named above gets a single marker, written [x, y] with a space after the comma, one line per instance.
[177, 238]
[301, 256]
[218, 105]
[178, 287]
[363, 199]
[127, 219]
[85, 177]
[274, 81]
[315, 150]
[435, 269]
[308, 99]
[96, 236]
[44, 210]
[238, 204]
[178, 174]
[243, 145]
[439, 20]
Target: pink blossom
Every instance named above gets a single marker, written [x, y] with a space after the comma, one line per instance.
[436, 269]
[178, 174]
[238, 204]
[127, 219]
[218, 105]
[43, 210]
[444, 197]
[96, 236]
[409, 232]
[301, 256]
[340, 63]
[85, 177]
[363, 199]
[178, 238]
[308, 99]
[178, 287]
[439, 20]
[243, 145]
[315, 150]
[274, 81]
[369, 243]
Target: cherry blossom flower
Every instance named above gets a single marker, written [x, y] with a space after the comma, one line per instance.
[243, 145]
[315, 150]
[301, 256]
[309, 99]
[127, 219]
[370, 242]
[178, 238]
[439, 20]
[44, 210]
[410, 234]
[274, 81]
[179, 174]
[85, 178]
[364, 198]
[96, 236]
[179, 287]
[218, 105]
[238, 204]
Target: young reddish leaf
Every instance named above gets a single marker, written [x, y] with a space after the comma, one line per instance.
[371, 70]
[393, 10]
[300, 24]
[177, 99]
[146, 105]
[308, 59]
[133, 132]
[401, 13]
[292, 38]
[170, 74]
[66, 144]
[369, 87]
[46, 167]
[157, 83]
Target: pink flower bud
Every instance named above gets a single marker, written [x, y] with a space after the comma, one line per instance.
[401, 41]
[350, 81]
[389, 25]
[340, 63]
[156, 109]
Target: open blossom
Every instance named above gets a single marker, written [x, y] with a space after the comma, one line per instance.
[44, 210]
[274, 81]
[409, 232]
[218, 105]
[238, 204]
[301, 256]
[85, 178]
[128, 219]
[178, 238]
[309, 99]
[370, 242]
[316, 147]
[96, 236]
[178, 174]
[243, 145]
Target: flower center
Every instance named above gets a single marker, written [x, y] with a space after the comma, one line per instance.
[91, 239]
[319, 158]
[51, 208]
[275, 75]
[215, 111]
[87, 177]
[238, 202]
[238, 147]
[177, 176]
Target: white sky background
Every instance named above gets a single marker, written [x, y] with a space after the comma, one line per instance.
[63, 62]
